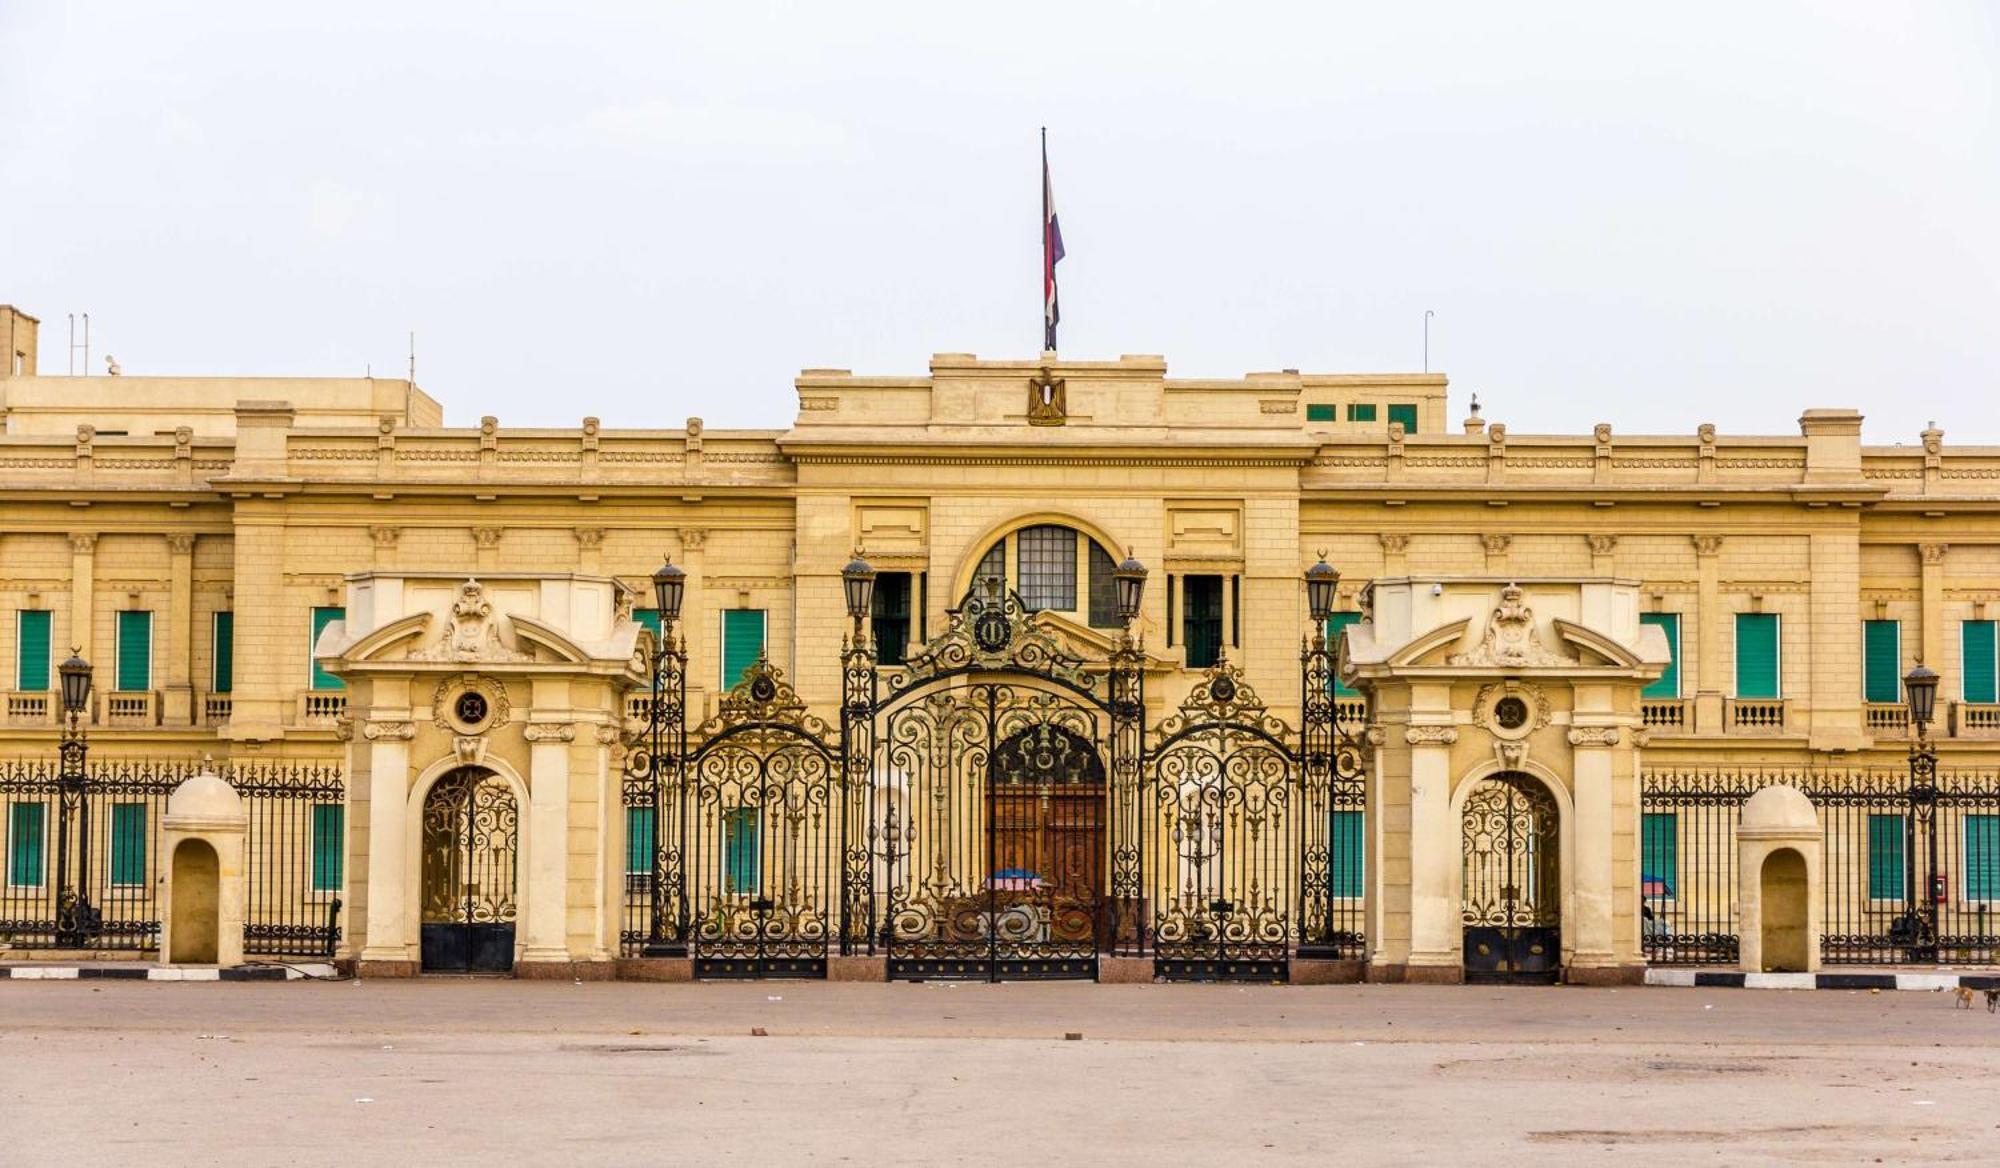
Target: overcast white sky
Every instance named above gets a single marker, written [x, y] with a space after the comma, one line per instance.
[1649, 215]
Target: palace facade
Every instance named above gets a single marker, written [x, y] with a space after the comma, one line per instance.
[425, 656]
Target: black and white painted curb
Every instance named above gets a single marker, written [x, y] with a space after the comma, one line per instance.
[164, 972]
[1726, 979]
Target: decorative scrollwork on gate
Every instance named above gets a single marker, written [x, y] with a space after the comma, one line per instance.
[471, 834]
[992, 630]
[1510, 855]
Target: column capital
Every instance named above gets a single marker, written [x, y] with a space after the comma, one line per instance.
[1707, 545]
[1933, 553]
[180, 543]
[83, 543]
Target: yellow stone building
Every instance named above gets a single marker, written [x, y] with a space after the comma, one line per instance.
[423, 654]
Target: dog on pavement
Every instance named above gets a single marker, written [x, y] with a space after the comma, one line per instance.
[1965, 998]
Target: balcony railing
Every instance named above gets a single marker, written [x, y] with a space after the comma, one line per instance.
[1975, 720]
[1887, 719]
[319, 707]
[1351, 714]
[132, 708]
[215, 709]
[1755, 715]
[1669, 715]
[31, 708]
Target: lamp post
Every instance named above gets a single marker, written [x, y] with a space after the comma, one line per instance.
[857, 583]
[1332, 764]
[76, 920]
[666, 725]
[1920, 687]
[861, 833]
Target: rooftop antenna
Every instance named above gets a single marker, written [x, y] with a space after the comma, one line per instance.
[73, 346]
[413, 357]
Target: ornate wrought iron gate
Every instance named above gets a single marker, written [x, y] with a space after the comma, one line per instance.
[470, 866]
[1226, 812]
[1512, 893]
[991, 775]
[760, 794]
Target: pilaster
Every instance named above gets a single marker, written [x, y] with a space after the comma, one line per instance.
[1708, 635]
[177, 696]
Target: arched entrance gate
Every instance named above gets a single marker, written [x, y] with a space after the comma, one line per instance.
[996, 809]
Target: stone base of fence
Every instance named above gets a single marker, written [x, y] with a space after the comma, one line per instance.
[368, 969]
[565, 970]
[1124, 970]
[1315, 971]
[1605, 975]
[653, 969]
[857, 968]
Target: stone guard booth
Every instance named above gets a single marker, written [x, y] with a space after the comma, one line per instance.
[483, 793]
[1503, 819]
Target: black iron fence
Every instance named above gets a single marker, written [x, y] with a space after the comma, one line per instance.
[1910, 868]
[293, 853]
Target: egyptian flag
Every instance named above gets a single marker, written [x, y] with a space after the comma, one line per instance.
[1052, 251]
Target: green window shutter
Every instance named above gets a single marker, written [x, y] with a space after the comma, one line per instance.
[742, 642]
[1756, 655]
[741, 845]
[1659, 853]
[329, 825]
[1982, 857]
[322, 617]
[223, 668]
[1335, 622]
[27, 841]
[639, 841]
[128, 843]
[1364, 412]
[135, 652]
[1669, 685]
[648, 617]
[1319, 413]
[31, 657]
[1347, 854]
[1976, 638]
[1881, 648]
[1407, 415]
[1885, 857]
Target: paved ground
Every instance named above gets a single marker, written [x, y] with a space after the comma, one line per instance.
[501, 1072]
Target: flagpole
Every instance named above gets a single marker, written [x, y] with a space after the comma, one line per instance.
[1048, 326]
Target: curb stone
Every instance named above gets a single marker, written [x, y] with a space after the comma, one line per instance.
[1701, 978]
[164, 973]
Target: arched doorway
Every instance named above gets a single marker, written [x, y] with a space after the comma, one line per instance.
[1512, 893]
[1046, 815]
[197, 903]
[471, 848]
[1785, 931]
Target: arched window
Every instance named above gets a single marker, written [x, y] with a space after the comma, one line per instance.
[1058, 569]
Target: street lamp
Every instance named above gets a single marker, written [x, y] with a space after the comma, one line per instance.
[76, 920]
[669, 585]
[857, 579]
[1130, 578]
[1322, 581]
[1920, 690]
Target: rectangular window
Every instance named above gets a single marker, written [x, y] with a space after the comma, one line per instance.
[741, 845]
[1980, 670]
[742, 642]
[1201, 602]
[1319, 413]
[1335, 622]
[31, 652]
[1407, 415]
[1881, 653]
[639, 841]
[993, 565]
[892, 617]
[1659, 853]
[1236, 612]
[1885, 857]
[1757, 655]
[1361, 411]
[329, 826]
[135, 652]
[1982, 857]
[1347, 853]
[648, 618]
[1047, 556]
[1103, 589]
[1669, 685]
[222, 666]
[322, 617]
[128, 843]
[27, 843]
[1170, 611]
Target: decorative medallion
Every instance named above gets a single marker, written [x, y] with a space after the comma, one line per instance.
[1511, 709]
[1510, 637]
[469, 704]
[1048, 403]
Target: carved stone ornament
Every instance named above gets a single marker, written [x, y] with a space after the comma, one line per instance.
[605, 734]
[1510, 637]
[343, 728]
[549, 732]
[1707, 545]
[1593, 736]
[1375, 735]
[1394, 543]
[472, 633]
[389, 731]
[1509, 721]
[470, 749]
[444, 700]
[1048, 400]
[1511, 756]
[1603, 545]
[1431, 735]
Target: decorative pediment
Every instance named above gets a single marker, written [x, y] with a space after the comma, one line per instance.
[1510, 640]
[763, 698]
[992, 629]
[473, 632]
[1223, 701]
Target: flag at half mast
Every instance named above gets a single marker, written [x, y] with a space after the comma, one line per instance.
[1052, 251]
